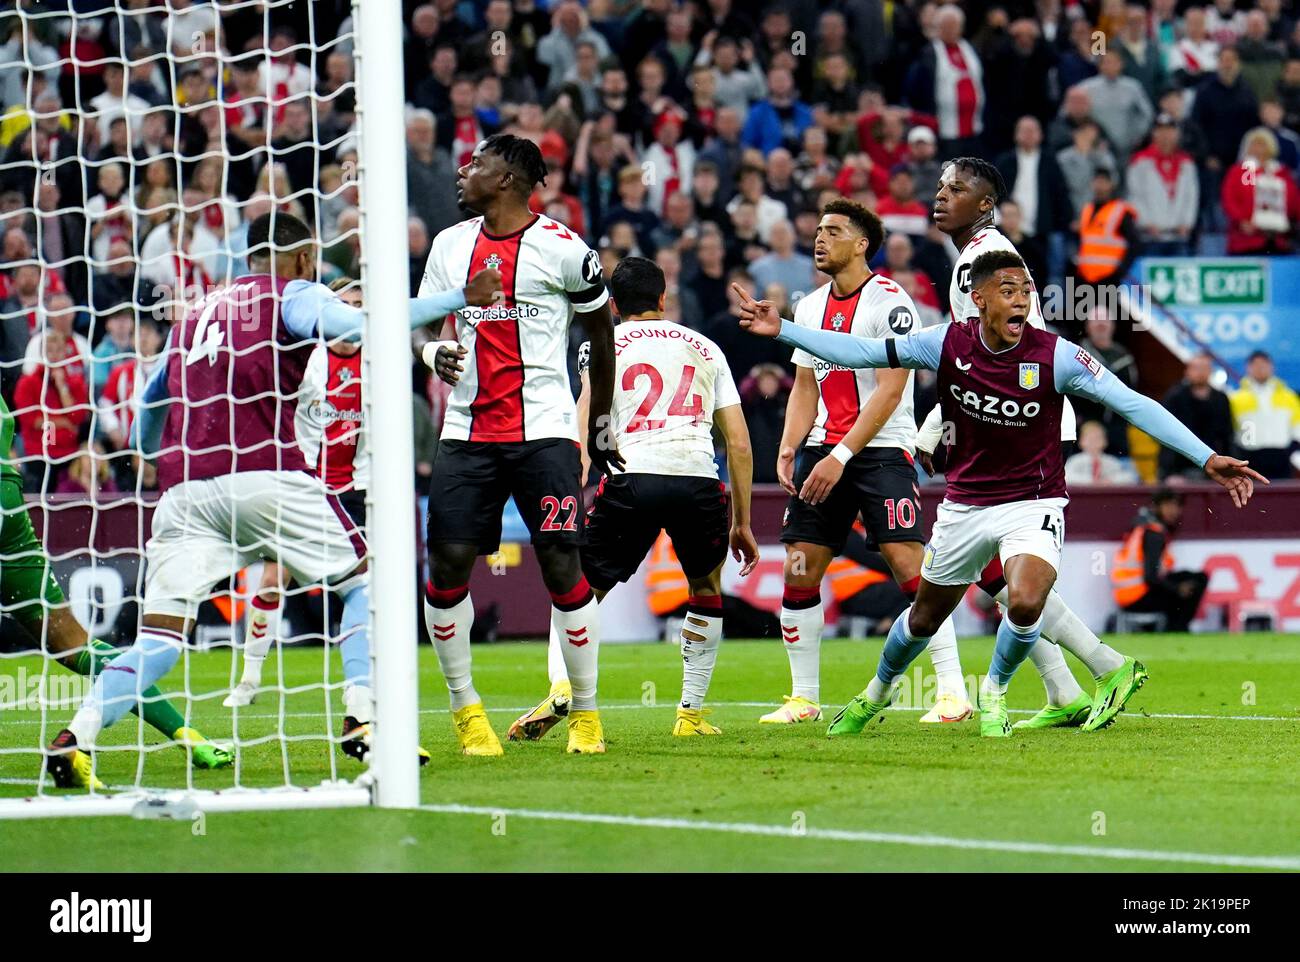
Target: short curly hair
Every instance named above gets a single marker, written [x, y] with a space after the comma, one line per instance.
[865, 220]
[986, 172]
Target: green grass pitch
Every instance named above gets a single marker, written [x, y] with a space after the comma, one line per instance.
[1199, 774]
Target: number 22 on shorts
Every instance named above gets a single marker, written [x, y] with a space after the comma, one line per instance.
[553, 506]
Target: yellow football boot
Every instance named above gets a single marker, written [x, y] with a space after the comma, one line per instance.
[83, 773]
[796, 709]
[475, 734]
[586, 737]
[68, 766]
[948, 708]
[690, 721]
[535, 723]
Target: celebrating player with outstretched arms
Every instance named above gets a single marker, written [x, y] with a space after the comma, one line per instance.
[236, 487]
[1003, 382]
[967, 196]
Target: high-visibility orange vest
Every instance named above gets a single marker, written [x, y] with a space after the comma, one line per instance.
[666, 586]
[1101, 245]
[1127, 580]
[847, 578]
[232, 606]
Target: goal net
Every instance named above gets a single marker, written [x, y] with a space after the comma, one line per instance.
[137, 144]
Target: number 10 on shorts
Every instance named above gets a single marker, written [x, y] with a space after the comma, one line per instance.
[900, 513]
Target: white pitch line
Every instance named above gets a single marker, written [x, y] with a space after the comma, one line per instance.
[1283, 862]
[1034, 711]
[632, 706]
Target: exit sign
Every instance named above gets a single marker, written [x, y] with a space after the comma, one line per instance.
[1211, 283]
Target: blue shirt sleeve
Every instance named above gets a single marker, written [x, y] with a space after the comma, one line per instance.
[310, 308]
[147, 428]
[920, 350]
[1080, 374]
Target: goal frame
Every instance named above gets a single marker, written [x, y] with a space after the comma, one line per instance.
[392, 779]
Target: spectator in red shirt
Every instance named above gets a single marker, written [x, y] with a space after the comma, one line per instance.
[125, 382]
[461, 128]
[245, 105]
[899, 209]
[69, 350]
[882, 134]
[1260, 199]
[51, 405]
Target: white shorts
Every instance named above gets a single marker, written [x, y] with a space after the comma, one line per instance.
[206, 531]
[965, 537]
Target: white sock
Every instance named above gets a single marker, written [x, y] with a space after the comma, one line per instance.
[877, 690]
[357, 702]
[555, 669]
[449, 629]
[1062, 688]
[946, 661]
[699, 656]
[991, 686]
[579, 631]
[263, 629]
[86, 725]
[1067, 629]
[801, 632]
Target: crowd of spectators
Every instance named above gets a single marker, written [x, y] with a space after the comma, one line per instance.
[704, 134]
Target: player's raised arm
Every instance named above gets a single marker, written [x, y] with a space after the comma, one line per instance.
[1077, 372]
[915, 351]
[310, 308]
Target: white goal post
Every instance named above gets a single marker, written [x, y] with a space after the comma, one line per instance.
[392, 548]
[374, 36]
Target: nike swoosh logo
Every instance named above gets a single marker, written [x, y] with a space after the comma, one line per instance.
[961, 366]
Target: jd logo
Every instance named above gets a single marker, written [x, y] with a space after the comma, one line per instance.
[901, 321]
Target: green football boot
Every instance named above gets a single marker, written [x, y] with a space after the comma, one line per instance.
[1071, 716]
[1114, 689]
[853, 717]
[994, 722]
[205, 754]
[209, 755]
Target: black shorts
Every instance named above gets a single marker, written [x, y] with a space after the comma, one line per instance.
[879, 484]
[472, 480]
[631, 509]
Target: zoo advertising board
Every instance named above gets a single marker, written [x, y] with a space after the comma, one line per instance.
[1231, 305]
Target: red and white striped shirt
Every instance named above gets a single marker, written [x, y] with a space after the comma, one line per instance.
[958, 90]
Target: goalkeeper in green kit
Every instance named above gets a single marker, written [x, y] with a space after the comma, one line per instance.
[33, 598]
